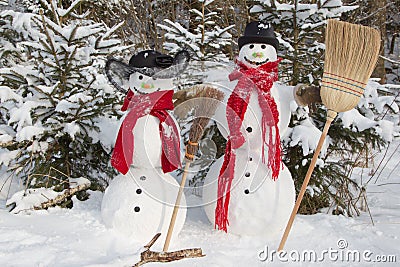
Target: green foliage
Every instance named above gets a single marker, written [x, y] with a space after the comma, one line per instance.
[300, 27]
[330, 184]
[58, 99]
[206, 41]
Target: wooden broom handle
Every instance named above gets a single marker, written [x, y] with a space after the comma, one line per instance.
[176, 207]
[330, 118]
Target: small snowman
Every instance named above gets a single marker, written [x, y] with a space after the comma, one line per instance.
[139, 202]
[249, 190]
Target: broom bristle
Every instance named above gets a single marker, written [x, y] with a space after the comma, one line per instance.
[207, 100]
[351, 53]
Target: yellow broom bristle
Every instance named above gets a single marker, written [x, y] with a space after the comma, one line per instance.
[207, 99]
[351, 53]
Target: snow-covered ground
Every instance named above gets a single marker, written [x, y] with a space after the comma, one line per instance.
[78, 237]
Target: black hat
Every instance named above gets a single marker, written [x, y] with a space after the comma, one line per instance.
[150, 63]
[151, 59]
[259, 32]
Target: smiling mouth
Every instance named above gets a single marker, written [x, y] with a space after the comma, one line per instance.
[255, 62]
[143, 91]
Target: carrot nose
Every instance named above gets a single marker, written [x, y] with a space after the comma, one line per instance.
[258, 54]
[147, 85]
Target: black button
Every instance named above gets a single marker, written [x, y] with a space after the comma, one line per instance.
[250, 159]
[138, 191]
[249, 129]
[247, 191]
[137, 209]
[140, 77]
[142, 178]
[247, 174]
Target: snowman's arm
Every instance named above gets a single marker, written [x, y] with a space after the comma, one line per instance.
[307, 95]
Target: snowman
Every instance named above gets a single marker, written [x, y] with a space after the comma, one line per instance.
[139, 202]
[249, 191]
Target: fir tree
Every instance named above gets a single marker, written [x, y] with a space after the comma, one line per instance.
[352, 140]
[55, 100]
[206, 40]
[300, 27]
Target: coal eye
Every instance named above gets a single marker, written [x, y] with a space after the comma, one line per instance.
[140, 77]
[263, 46]
[251, 46]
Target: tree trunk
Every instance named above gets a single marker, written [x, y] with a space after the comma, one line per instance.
[295, 63]
[379, 6]
[392, 43]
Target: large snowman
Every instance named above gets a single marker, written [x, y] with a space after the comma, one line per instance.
[249, 191]
[139, 202]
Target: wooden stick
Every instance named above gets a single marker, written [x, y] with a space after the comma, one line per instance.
[176, 207]
[152, 256]
[330, 118]
[152, 241]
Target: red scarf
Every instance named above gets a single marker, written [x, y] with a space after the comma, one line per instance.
[155, 104]
[261, 80]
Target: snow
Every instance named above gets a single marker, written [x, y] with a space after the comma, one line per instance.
[140, 204]
[355, 119]
[72, 129]
[7, 94]
[78, 237]
[28, 132]
[65, 106]
[6, 156]
[27, 200]
[307, 135]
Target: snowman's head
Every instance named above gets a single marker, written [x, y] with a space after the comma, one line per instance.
[143, 84]
[148, 71]
[258, 45]
[256, 54]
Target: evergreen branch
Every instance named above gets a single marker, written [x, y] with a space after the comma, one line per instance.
[52, 48]
[54, 10]
[390, 60]
[72, 36]
[71, 8]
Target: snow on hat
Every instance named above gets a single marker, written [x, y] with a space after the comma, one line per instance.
[259, 32]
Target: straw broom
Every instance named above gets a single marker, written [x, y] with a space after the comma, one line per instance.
[350, 57]
[205, 103]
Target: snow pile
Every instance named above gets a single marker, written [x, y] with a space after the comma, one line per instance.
[32, 198]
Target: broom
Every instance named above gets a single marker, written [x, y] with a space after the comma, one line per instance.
[350, 57]
[205, 103]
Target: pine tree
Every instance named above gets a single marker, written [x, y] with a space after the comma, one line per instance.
[206, 40]
[353, 138]
[300, 28]
[56, 102]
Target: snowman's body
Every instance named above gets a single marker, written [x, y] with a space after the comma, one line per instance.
[140, 203]
[258, 204]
